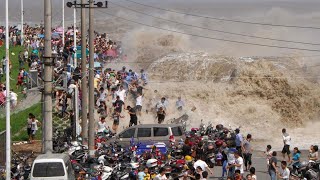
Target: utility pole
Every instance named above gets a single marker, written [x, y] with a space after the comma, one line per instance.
[47, 116]
[8, 130]
[91, 69]
[84, 82]
[75, 37]
[22, 34]
[63, 38]
[91, 79]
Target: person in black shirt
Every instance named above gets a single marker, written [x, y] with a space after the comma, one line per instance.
[186, 149]
[118, 105]
[133, 116]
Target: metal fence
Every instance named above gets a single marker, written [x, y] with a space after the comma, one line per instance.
[2, 148]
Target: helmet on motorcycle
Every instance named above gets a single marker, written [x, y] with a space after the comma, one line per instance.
[188, 158]
[134, 165]
[210, 146]
[169, 156]
[219, 143]
[152, 163]
[168, 169]
[219, 127]
[180, 161]
[304, 164]
[180, 167]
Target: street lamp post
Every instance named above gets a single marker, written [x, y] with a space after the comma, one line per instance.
[91, 5]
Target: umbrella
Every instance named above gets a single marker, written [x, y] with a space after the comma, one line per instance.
[55, 35]
[59, 30]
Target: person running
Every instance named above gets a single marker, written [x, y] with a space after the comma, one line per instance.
[133, 116]
[118, 105]
[139, 104]
[102, 125]
[29, 125]
[284, 171]
[161, 114]
[272, 169]
[34, 127]
[247, 152]
[116, 121]
[286, 144]
[179, 104]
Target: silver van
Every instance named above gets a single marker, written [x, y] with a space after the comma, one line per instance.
[149, 133]
[52, 167]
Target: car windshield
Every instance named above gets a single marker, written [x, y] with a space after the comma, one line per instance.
[48, 169]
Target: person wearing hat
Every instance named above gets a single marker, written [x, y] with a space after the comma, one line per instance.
[239, 141]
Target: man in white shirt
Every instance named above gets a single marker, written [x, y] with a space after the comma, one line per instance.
[284, 171]
[203, 165]
[72, 87]
[238, 162]
[162, 103]
[286, 144]
[139, 104]
[13, 99]
[161, 175]
[121, 93]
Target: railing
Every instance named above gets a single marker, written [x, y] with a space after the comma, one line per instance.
[2, 148]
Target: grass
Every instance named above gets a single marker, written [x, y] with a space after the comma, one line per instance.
[19, 123]
[15, 66]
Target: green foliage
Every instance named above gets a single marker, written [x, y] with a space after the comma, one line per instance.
[15, 65]
[19, 123]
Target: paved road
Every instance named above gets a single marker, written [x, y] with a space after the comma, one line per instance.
[259, 162]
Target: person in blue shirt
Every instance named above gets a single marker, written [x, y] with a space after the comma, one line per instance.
[239, 141]
[296, 159]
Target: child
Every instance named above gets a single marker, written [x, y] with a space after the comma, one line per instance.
[252, 171]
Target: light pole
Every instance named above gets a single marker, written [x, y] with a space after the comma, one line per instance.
[84, 81]
[75, 37]
[22, 33]
[63, 38]
[91, 67]
[8, 130]
[48, 62]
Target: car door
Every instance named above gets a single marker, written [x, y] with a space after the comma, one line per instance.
[160, 134]
[144, 135]
[178, 133]
[125, 136]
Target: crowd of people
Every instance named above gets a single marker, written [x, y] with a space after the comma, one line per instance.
[30, 58]
[122, 90]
